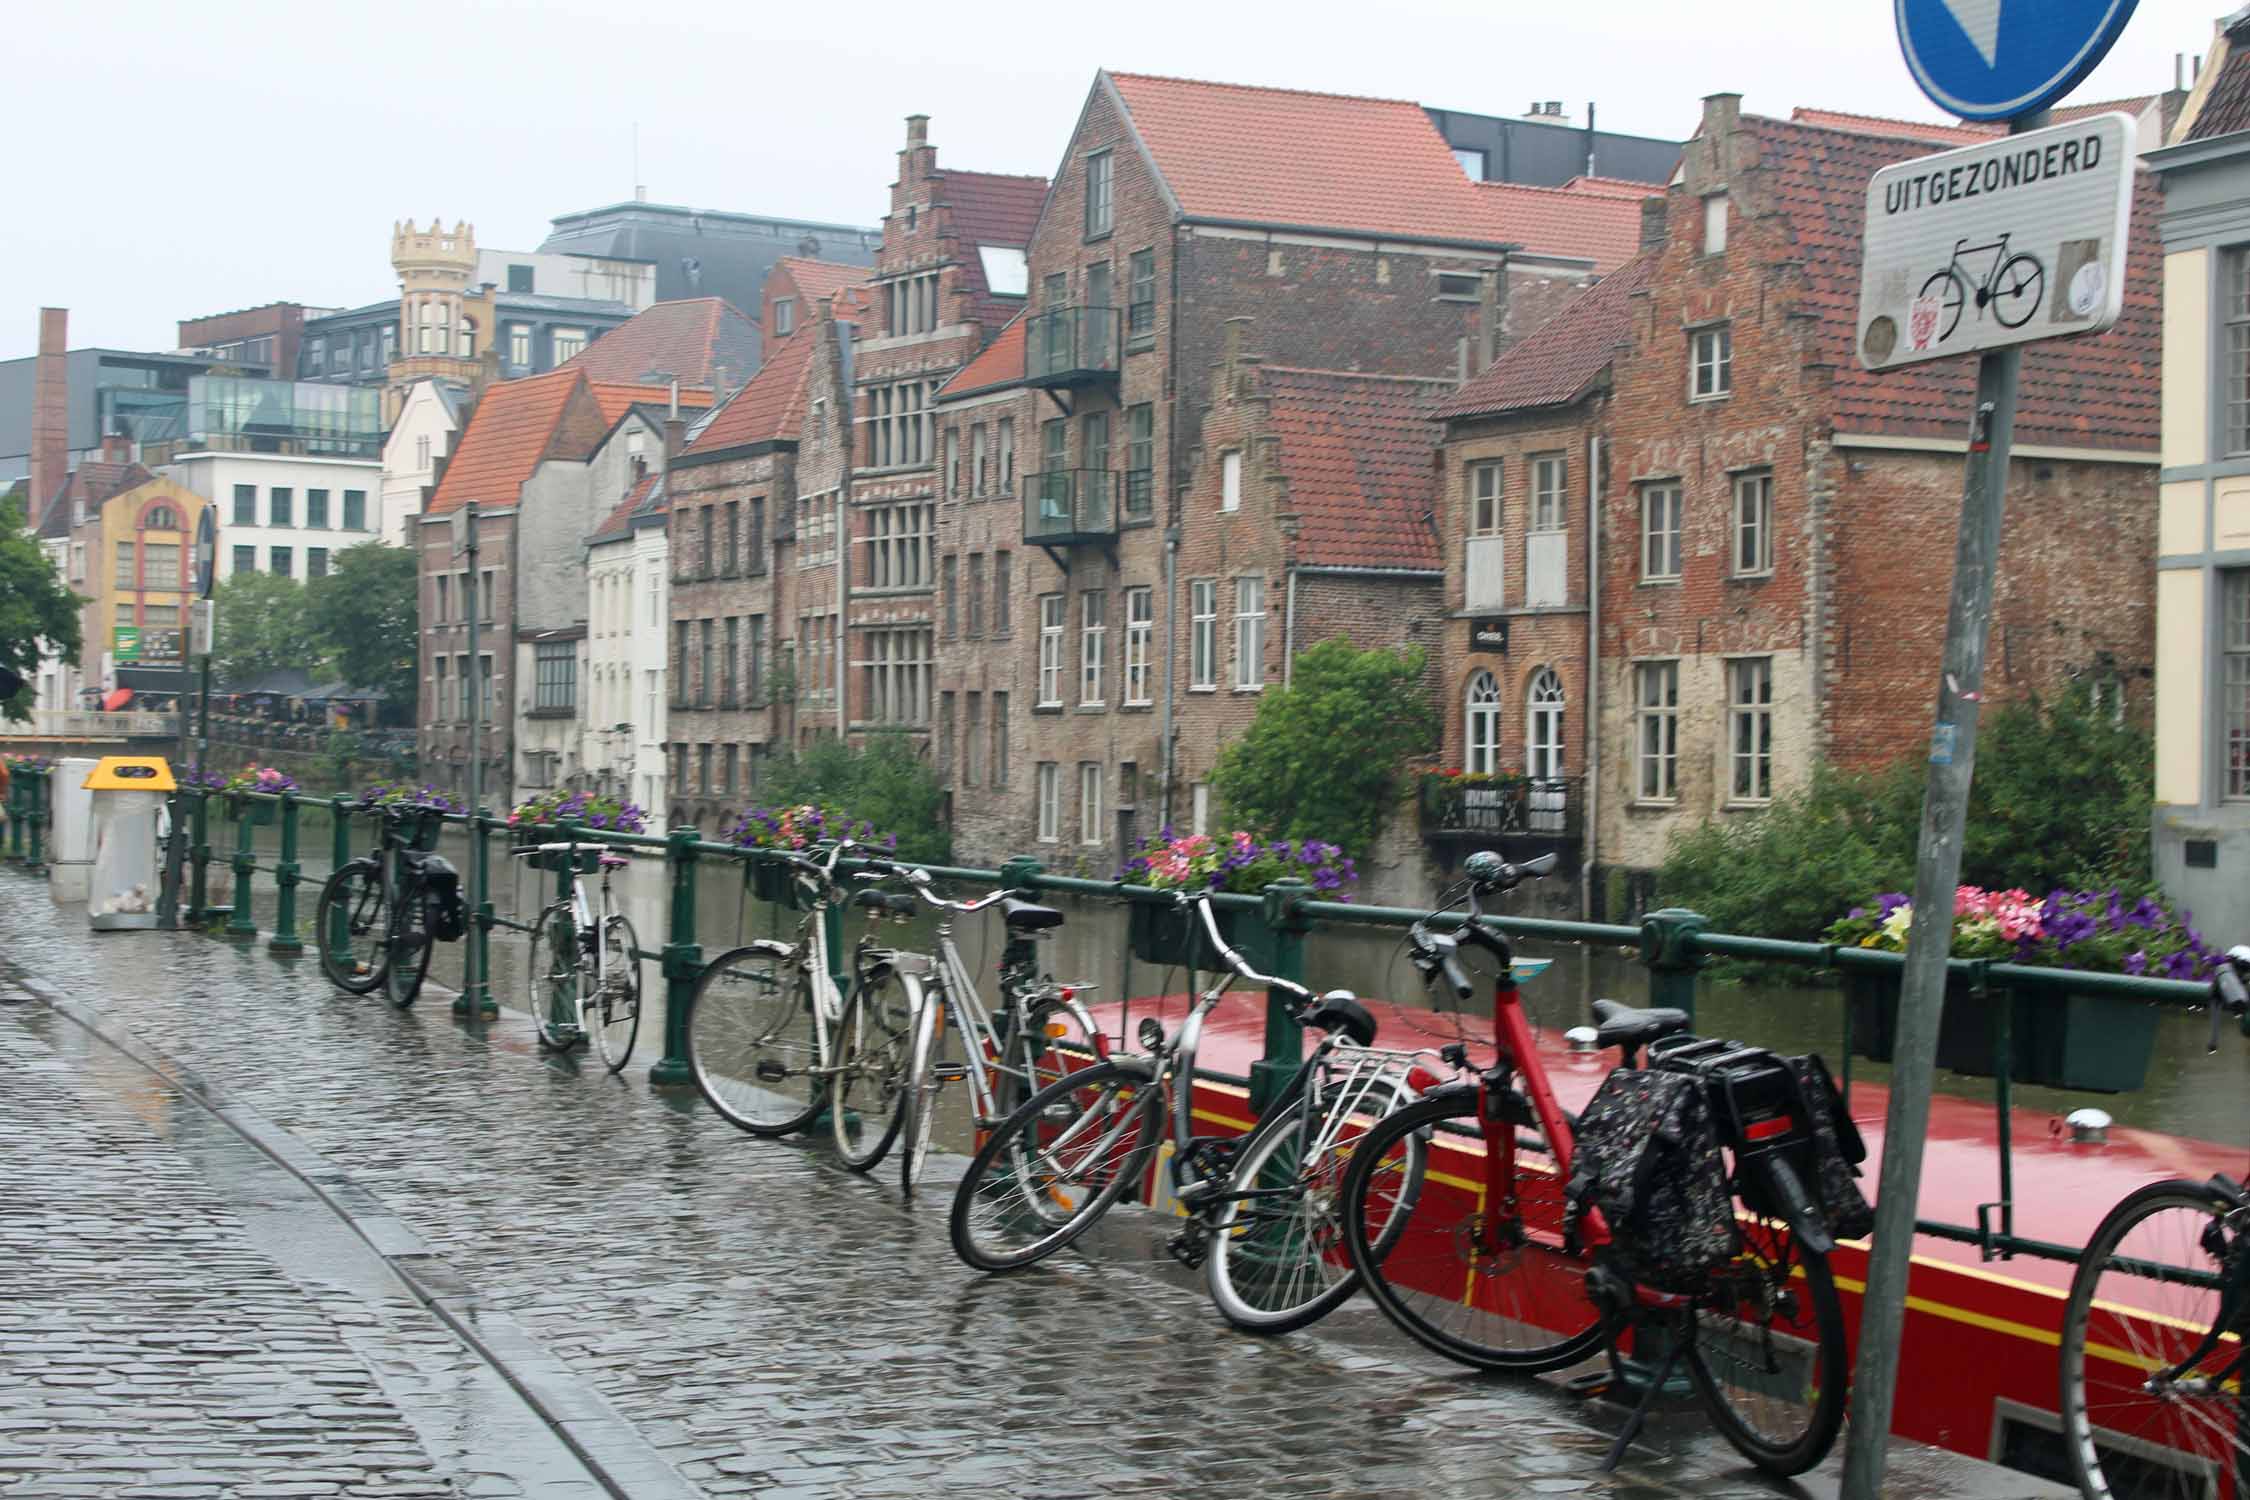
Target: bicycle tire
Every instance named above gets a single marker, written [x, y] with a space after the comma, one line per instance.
[751, 1042]
[2024, 297]
[867, 1090]
[406, 948]
[555, 980]
[1956, 298]
[919, 1099]
[1756, 1387]
[1447, 1295]
[1260, 1276]
[2112, 1399]
[352, 897]
[617, 1009]
[1014, 1208]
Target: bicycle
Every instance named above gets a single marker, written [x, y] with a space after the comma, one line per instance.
[1261, 1209]
[2011, 286]
[585, 960]
[393, 891]
[1041, 1027]
[2153, 1335]
[1485, 1270]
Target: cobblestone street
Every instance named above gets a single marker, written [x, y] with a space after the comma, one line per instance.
[690, 1310]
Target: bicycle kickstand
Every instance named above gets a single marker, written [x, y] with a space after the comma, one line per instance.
[1633, 1423]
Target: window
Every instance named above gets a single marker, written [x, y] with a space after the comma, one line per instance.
[1711, 373]
[895, 675]
[1753, 525]
[1098, 295]
[1199, 808]
[1483, 724]
[126, 577]
[555, 675]
[727, 757]
[1002, 601]
[2236, 300]
[2235, 646]
[442, 691]
[278, 562]
[245, 505]
[246, 559]
[1093, 442]
[1750, 728]
[951, 477]
[816, 530]
[1051, 608]
[754, 556]
[1004, 456]
[280, 507]
[949, 593]
[316, 562]
[1459, 286]
[1660, 533]
[1249, 632]
[316, 509]
[784, 316]
[519, 278]
[911, 303]
[421, 453]
[972, 740]
[486, 595]
[730, 663]
[1140, 631]
[1203, 632]
[160, 518]
[706, 678]
[1230, 480]
[1089, 802]
[386, 345]
[1485, 499]
[1097, 194]
[316, 355]
[1093, 639]
[999, 739]
[1656, 734]
[1471, 161]
[706, 521]
[979, 476]
[754, 663]
[1140, 295]
[976, 596]
[124, 615]
[703, 768]
[898, 421]
[1140, 460]
[355, 510]
[160, 565]
[1543, 727]
[519, 345]
[1715, 224]
[681, 647]
[944, 738]
[1050, 802]
[567, 343]
[898, 546]
[444, 596]
[1054, 446]
[730, 561]
[1549, 503]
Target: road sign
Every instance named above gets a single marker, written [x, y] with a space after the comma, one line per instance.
[203, 623]
[1997, 59]
[206, 554]
[2006, 242]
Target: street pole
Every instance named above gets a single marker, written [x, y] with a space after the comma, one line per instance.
[471, 1002]
[1945, 805]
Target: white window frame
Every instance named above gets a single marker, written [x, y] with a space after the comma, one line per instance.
[1715, 224]
[519, 355]
[1654, 536]
[1049, 784]
[1544, 756]
[567, 343]
[1230, 480]
[1488, 497]
[1090, 802]
[1249, 634]
[1203, 635]
[784, 316]
[1751, 536]
[1711, 362]
[1550, 491]
[1140, 633]
[1656, 731]
[1101, 193]
[1052, 608]
[2234, 683]
[1749, 731]
[1093, 644]
[1481, 723]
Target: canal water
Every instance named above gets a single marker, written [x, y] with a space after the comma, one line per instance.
[2188, 1092]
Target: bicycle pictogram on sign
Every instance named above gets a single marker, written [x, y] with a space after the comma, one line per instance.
[2010, 289]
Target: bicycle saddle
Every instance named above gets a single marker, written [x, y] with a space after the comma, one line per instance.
[614, 861]
[1025, 916]
[1623, 1026]
[1340, 1012]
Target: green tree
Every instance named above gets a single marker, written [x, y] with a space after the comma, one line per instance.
[1322, 758]
[366, 613]
[887, 783]
[264, 626]
[38, 616]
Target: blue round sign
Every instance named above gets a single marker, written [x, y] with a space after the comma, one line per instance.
[1996, 59]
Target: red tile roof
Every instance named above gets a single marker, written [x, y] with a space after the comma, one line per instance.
[1355, 450]
[772, 406]
[1614, 187]
[1299, 160]
[92, 482]
[991, 208]
[2226, 104]
[1603, 227]
[705, 341]
[1957, 133]
[511, 430]
[818, 280]
[2096, 392]
[619, 522]
[1558, 362]
[615, 399]
[1001, 364]
[2136, 105]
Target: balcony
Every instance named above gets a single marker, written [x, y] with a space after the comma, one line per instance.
[1484, 811]
[1065, 507]
[1071, 346]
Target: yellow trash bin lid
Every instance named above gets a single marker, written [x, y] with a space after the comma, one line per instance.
[132, 773]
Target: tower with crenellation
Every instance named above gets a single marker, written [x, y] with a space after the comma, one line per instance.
[445, 320]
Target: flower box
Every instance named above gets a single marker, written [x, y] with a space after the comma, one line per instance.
[2094, 1043]
[771, 880]
[1161, 933]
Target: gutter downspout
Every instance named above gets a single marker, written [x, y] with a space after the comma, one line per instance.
[1289, 631]
[1171, 657]
[843, 600]
[1589, 841]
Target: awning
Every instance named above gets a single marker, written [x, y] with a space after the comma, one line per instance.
[117, 700]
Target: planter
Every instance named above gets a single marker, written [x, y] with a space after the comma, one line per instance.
[2094, 1043]
[256, 814]
[584, 862]
[771, 880]
[1173, 935]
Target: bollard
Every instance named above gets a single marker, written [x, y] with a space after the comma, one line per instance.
[15, 814]
[239, 922]
[481, 922]
[1668, 952]
[683, 959]
[199, 856]
[37, 799]
[1285, 929]
[285, 876]
[338, 937]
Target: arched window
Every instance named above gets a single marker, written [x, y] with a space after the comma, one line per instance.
[468, 337]
[1543, 732]
[160, 518]
[1484, 724]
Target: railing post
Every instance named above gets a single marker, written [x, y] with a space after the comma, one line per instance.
[239, 921]
[481, 922]
[36, 795]
[338, 937]
[683, 959]
[284, 939]
[199, 855]
[1020, 873]
[1668, 951]
[16, 797]
[1286, 926]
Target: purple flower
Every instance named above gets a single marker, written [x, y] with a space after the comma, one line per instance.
[2136, 962]
[1857, 912]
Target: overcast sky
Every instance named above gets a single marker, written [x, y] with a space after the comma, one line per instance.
[175, 160]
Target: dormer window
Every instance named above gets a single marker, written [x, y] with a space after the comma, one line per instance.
[784, 316]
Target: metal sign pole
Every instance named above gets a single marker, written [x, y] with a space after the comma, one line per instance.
[1945, 806]
[467, 541]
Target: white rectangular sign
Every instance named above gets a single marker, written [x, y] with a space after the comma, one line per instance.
[2006, 242]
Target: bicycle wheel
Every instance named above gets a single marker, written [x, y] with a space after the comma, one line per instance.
[751, 1042]
[1423, 1250]
[2016, 290]
[555, 980]
[918, 1100]
[1952, 294]
[1055, 1166]
[2146, 1291]
[871, 1045]
[349, 925]
[1278, 1262]
[1768, 1350]
[617, 1009]
[406, 947]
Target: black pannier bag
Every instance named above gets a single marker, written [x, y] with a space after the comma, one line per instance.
[1837, 1152]
[1648, 1156]
[444, 912]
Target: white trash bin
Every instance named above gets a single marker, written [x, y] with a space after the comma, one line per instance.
[70, 829]
[129, 794]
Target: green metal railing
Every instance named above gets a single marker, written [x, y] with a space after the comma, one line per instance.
[1673, 947]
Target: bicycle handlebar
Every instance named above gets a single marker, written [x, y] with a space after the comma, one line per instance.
[1200, 902]
[2228, 993]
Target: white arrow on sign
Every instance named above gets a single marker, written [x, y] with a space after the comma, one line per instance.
[1980, 21]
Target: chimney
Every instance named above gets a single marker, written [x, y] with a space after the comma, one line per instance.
[1492, 313]
[917, 131]
[50, 409]
[117, 448]
[1652, 222]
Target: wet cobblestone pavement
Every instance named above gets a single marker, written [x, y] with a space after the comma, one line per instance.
[771, 1324]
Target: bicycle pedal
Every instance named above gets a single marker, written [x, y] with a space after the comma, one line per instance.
[1187, 1249]
[949, 1072]
[1589, 1383]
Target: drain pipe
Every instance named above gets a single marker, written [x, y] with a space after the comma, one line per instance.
[1588, 840]
[1289, 631]
[1171, 657]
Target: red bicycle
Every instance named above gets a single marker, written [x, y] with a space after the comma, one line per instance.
[1492, 1269]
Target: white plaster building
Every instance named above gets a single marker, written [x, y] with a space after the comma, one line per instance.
[283, 513]
[628, 601]
[428, 421]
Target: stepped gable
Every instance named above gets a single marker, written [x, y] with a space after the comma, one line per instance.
[1355, 452]
[1560, 360]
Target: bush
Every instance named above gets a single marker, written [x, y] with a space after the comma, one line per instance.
[885, 784]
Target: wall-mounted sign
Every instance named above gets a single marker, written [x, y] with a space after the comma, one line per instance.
[1489, 634]
[126, 643]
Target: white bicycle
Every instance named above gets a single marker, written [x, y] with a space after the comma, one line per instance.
[584, 977]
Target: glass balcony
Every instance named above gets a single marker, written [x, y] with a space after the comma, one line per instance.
[1071, 346]
[1066, 506]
